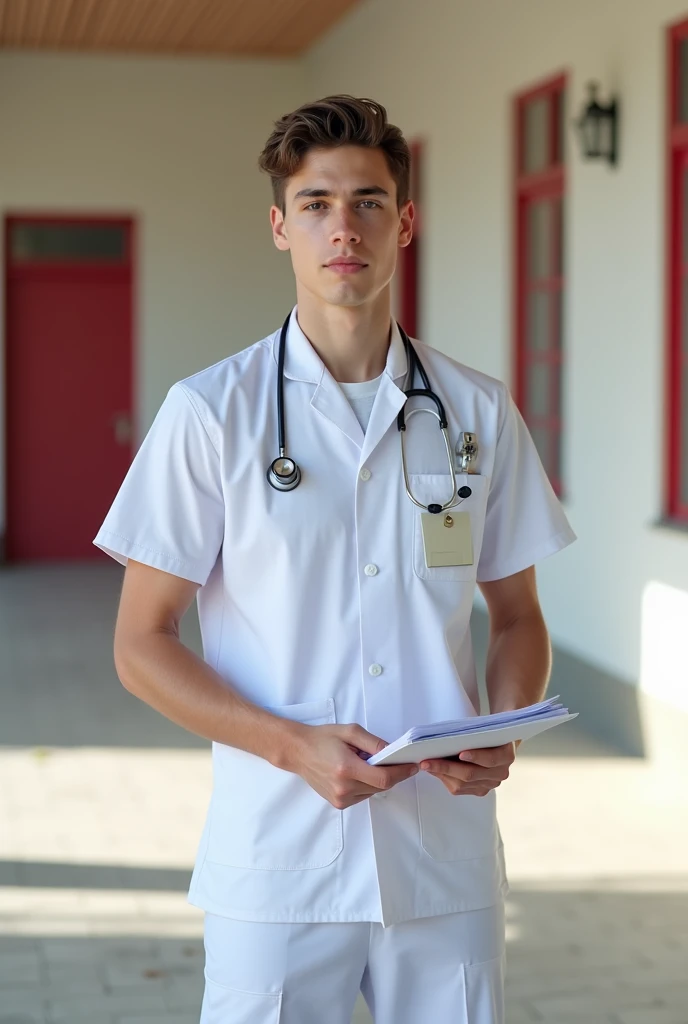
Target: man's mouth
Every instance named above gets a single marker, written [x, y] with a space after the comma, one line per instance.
[345, 266]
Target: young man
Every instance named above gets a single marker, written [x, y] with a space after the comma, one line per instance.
[328, 629]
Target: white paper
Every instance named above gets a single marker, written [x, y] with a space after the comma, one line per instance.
[447, 739]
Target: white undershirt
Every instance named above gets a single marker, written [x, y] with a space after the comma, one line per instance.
[361, 397]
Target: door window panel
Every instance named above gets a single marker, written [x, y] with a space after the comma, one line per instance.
[68, 243]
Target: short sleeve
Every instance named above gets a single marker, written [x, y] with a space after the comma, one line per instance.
[524, 520]
[169, 511]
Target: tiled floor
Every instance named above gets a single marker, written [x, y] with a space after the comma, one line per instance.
[101, 804]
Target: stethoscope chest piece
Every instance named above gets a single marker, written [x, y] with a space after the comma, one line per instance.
[284, 474]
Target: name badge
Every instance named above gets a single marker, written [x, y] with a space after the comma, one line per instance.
[447, 538]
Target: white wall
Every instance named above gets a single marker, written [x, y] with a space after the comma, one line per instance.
[447, 70]
[173, 142]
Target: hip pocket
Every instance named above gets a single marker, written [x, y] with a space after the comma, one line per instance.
[455, 827]
[484, 991]
[266, 818]
[223, 1005]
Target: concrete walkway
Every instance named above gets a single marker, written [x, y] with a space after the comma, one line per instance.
[101, 806]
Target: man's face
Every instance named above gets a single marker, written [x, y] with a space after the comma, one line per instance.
[342, 225]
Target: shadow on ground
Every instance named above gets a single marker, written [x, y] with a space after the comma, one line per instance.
[58, 686]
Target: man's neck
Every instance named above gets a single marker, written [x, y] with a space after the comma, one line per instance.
[351, 341]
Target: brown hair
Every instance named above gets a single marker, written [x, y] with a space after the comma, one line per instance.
[331, 122]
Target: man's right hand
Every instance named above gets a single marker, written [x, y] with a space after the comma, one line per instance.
[327, 758]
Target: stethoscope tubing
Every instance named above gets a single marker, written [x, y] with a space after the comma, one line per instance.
[281, 439]
[291, 474]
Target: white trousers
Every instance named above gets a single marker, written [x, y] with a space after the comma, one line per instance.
[447, 969]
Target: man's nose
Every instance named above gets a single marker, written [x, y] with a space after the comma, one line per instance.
[344, 229]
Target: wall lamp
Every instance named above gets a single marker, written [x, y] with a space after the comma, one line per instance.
[598, 128]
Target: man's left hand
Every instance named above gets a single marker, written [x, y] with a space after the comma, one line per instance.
[473, 772]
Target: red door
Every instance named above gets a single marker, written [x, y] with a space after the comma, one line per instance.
[68, 381]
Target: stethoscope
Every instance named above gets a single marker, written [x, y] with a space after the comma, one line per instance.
[284, 474]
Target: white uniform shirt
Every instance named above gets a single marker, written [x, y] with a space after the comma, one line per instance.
[318, 605]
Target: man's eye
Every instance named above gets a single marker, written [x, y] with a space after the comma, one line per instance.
[312, 205]
[369, 203]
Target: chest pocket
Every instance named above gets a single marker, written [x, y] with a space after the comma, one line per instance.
[432, 487]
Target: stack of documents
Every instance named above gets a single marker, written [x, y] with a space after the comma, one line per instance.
[447, 739]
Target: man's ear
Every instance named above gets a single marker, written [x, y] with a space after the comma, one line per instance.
[407, 216]
[279, 233]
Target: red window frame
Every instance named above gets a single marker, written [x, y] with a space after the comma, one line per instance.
[531, 187]
[677, 281]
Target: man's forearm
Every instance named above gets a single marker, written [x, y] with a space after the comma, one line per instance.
[161, 671]
[519, 662]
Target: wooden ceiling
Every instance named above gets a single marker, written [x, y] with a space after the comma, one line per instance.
[249, 28]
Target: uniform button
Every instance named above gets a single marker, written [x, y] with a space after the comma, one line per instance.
[370, 570]
[375, 669]
[365, 473]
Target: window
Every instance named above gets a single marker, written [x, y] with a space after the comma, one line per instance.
[677, 272]
[539, 118]
[62, 242]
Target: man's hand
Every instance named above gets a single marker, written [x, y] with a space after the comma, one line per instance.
[327, 759]
[473, 772]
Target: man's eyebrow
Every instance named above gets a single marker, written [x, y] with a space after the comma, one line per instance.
[324, 193]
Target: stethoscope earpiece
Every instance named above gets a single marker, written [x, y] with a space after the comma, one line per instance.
[463, 493]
